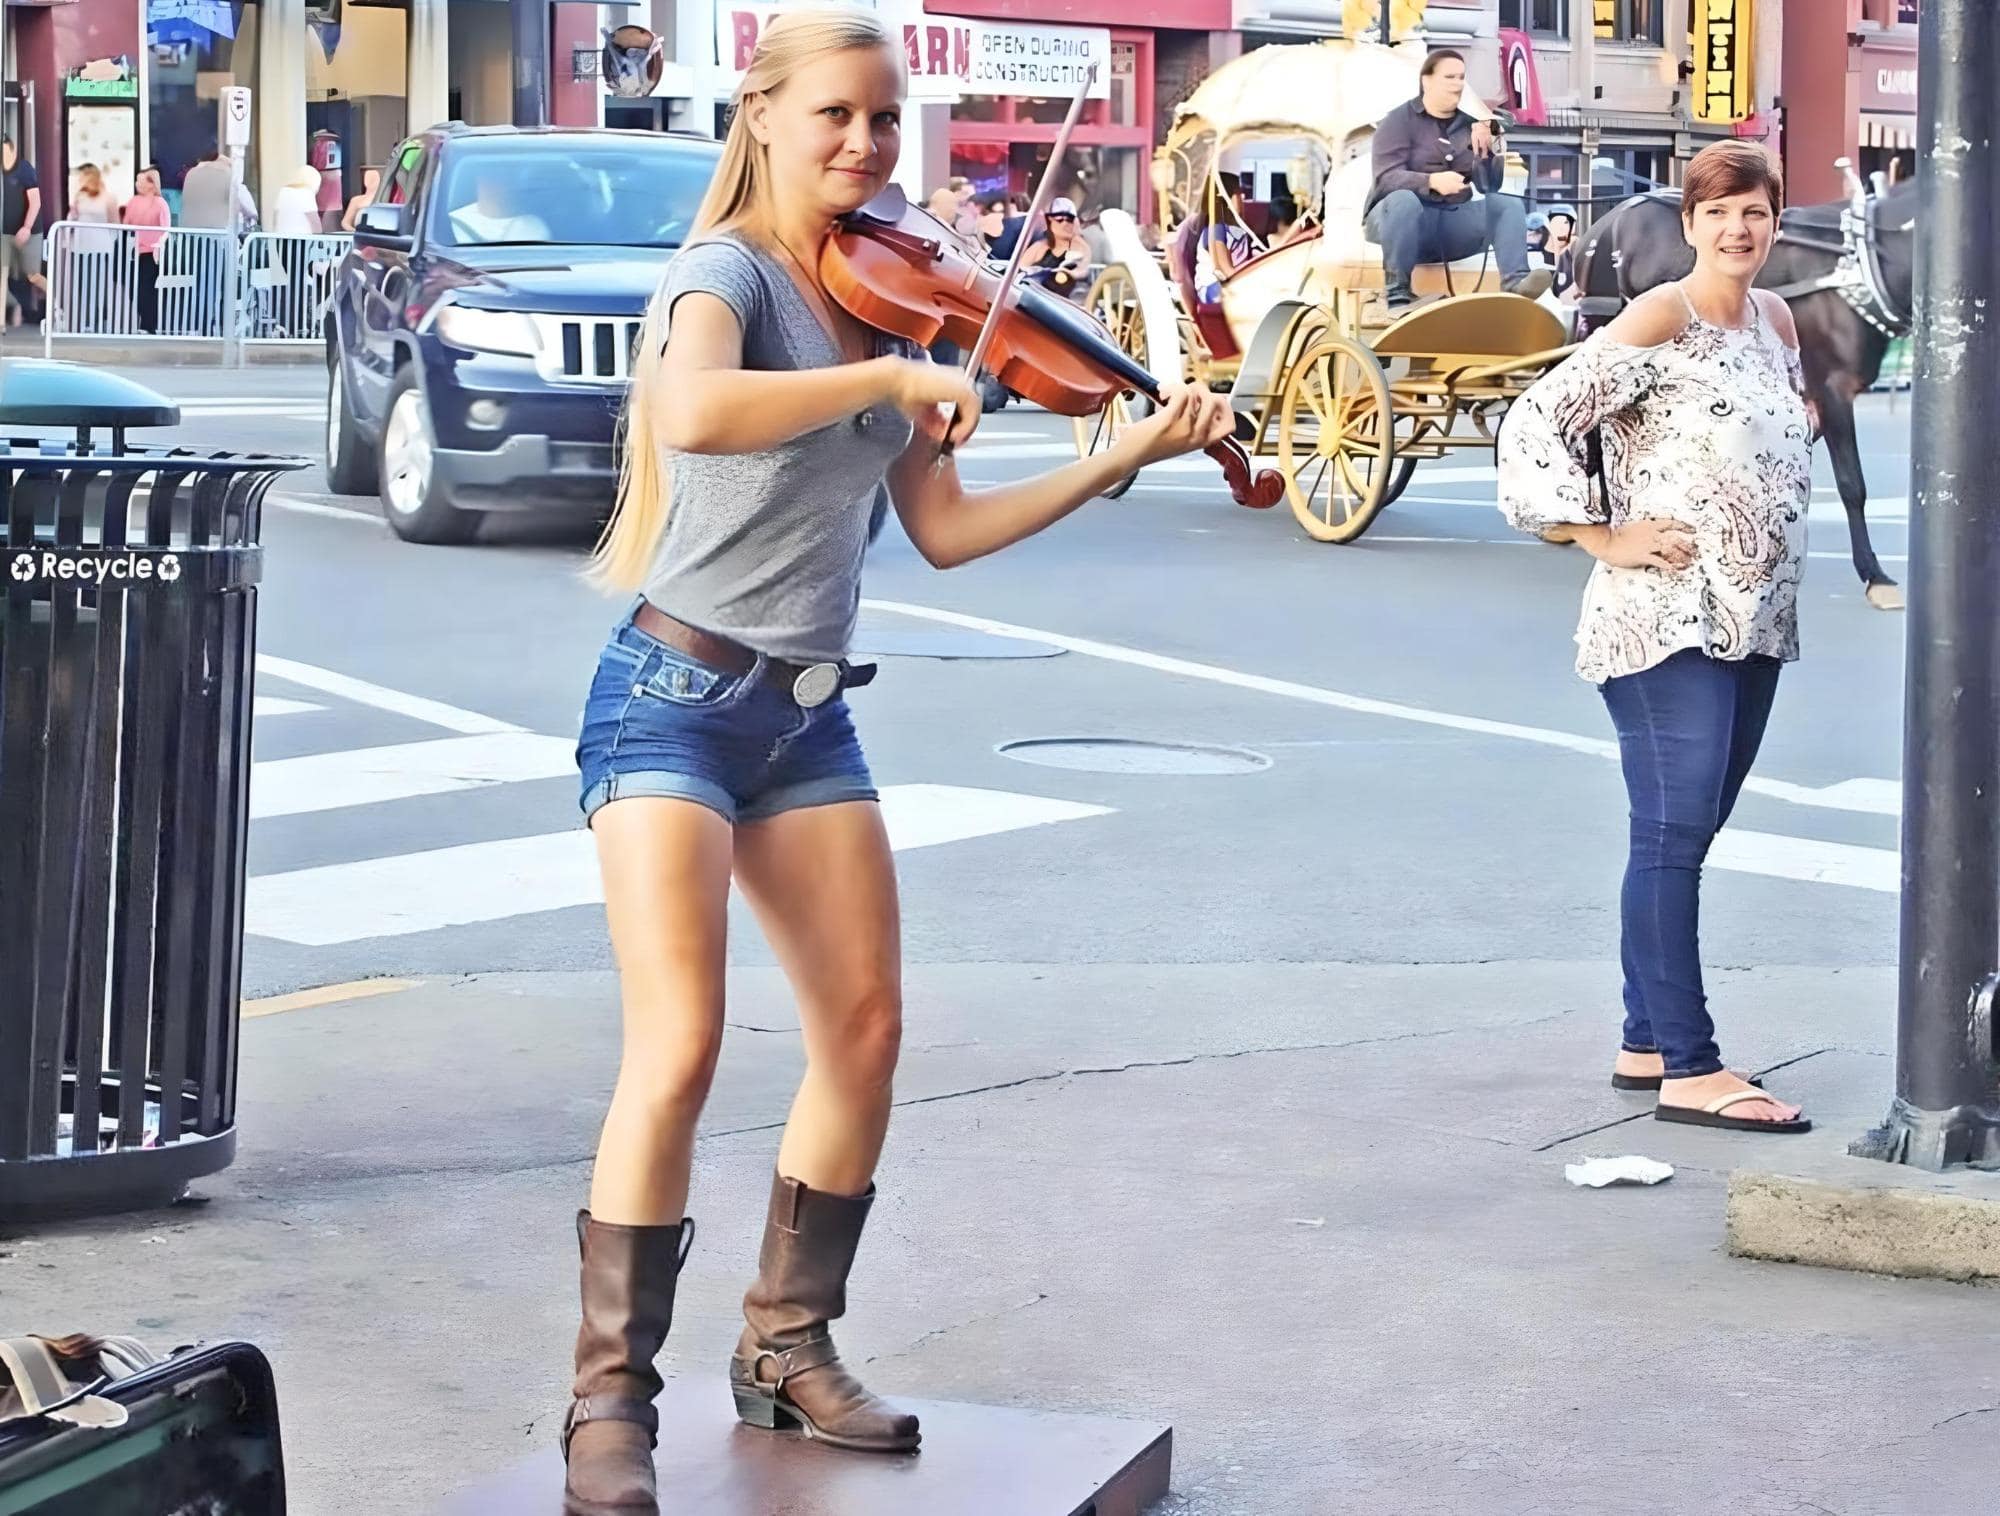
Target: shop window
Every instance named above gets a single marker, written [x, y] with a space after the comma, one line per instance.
[1642, 21]
[1052, 112]
[357, 76]
[980, 108]
[1544, 18]
[1125, 84]
[194, 47]
[1551, 177]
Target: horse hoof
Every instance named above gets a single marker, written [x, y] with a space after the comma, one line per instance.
[1885, 597]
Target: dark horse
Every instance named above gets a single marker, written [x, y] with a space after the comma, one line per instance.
[1846, 272]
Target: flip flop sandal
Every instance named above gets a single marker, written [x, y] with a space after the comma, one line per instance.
[1711, 1115]
[1649, 1082]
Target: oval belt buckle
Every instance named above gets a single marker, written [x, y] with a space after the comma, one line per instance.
[816, 685]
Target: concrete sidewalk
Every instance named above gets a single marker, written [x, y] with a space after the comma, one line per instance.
[1313, 1215]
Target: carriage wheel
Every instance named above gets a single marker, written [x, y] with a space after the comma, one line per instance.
[1115, 303]
[1336, 439]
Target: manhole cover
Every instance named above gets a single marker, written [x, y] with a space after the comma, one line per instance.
[1129, 755]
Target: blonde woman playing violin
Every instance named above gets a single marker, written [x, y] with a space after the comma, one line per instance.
[763, 422]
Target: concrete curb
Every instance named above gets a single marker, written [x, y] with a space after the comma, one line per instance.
[1871, 1218]
[165, 352]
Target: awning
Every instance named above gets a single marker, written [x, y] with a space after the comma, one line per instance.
[1897, 133]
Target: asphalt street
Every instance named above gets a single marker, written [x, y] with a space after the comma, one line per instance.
[1235, 1100]
[1477, 819]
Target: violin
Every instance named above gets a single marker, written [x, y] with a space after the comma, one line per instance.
[896, 268]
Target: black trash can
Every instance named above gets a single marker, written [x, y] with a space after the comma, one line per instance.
[126, 647]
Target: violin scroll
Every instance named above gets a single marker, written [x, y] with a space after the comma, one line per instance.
[1258, 490]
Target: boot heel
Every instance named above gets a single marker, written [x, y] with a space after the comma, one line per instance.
[756, 1410]
[766, 1412]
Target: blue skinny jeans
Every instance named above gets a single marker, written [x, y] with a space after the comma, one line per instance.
[1688, 731]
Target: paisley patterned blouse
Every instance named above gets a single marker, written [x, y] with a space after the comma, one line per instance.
[1709, 428]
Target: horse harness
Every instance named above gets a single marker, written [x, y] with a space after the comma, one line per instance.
[1857, 270]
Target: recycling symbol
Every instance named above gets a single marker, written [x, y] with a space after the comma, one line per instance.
[169, 569]
[23, 567]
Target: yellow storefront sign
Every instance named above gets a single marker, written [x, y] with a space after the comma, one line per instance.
[1725, 41]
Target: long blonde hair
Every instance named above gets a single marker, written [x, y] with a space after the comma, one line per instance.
[738, 192]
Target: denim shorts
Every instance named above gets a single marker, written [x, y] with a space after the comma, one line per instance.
[659, 722]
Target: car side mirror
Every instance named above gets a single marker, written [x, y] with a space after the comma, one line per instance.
[384, 226]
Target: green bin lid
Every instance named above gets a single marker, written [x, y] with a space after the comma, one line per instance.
[42, 392]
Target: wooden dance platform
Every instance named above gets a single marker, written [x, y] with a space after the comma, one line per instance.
[977, 1460]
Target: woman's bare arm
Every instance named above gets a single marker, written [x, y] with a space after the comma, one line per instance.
[714, 405]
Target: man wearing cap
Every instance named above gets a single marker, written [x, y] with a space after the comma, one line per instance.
[1429, 157]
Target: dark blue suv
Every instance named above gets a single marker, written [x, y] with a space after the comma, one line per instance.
[481, 330]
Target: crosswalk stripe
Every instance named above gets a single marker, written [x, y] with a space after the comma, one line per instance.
[265, 706]
[251, 407]
[491, 881]
[1808, 859]
[369, 776]
[452, 718]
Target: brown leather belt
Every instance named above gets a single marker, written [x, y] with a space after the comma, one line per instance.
[809, 684]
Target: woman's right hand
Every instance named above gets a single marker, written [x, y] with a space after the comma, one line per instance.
[920, 390]
[1193, 417]
[1658, 542]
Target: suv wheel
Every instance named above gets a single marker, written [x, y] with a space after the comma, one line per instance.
[350, 463]
[410, 497]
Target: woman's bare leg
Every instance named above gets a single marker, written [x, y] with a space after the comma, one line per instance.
[666, 892]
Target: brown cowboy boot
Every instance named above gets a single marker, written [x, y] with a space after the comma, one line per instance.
[787, 1372]
[629, 1273]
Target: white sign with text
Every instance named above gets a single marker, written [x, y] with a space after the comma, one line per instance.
[949, 56]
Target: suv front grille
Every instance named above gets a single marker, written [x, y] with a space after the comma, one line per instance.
[587, 349]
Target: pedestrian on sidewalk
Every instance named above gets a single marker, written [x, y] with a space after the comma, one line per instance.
[148, 210]
[95, 288]
[21, 281]
[762, 423]
[1693, 400]
[371, 181]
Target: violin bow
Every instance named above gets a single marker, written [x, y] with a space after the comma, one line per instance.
[1036, 206]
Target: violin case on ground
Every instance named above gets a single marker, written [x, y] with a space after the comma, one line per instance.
[103, 1426]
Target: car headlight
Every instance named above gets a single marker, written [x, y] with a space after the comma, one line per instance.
[487, 331]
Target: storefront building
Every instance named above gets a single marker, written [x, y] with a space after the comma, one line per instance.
[1016, 88]
[990, 83]
[335, 84]
[1850, 90]
[1611, 97]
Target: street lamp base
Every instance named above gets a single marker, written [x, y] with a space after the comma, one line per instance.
[1965, 1135]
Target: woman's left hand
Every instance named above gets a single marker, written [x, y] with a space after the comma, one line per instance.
[1194, 417]
[1813, 432]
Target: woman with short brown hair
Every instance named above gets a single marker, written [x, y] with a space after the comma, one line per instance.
[1699, 533]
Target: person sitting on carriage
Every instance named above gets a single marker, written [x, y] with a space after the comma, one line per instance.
[1226, 244]
[1429, 157]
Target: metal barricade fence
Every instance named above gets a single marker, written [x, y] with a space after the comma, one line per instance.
[286, 284]
[101, 285]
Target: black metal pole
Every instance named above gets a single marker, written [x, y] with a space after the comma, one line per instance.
[1947, 1105]
[531, 61]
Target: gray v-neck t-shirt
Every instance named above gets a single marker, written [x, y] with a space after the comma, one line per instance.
[766, 548]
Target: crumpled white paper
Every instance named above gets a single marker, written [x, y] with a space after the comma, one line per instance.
[1596, 1173]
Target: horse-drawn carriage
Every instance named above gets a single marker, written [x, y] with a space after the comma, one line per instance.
[1347, 399]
